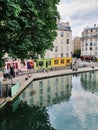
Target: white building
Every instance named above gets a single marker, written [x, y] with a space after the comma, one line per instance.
[62, 43]
[89, 46]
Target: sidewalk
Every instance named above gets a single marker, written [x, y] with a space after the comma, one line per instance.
[35, 76]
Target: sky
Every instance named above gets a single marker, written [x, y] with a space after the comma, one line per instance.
[79, 13]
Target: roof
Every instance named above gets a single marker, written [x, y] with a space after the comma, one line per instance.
[63, 27]
[88, 28]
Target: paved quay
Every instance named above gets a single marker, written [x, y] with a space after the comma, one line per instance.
[38, 76]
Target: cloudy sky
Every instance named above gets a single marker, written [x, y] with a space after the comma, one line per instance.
[80, 14]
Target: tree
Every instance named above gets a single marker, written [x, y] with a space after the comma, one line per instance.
[25, 118]
[77, 53]
[27, 26]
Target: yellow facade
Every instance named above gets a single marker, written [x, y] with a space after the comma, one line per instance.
[64, 61]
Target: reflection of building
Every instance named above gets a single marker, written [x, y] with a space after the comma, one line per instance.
[89, 81]
[48, 91]
[89, 48]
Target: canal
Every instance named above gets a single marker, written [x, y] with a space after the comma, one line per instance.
[61, 103]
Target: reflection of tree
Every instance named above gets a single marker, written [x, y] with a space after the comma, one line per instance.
[89, 82]
[26, 118]
[63, 96]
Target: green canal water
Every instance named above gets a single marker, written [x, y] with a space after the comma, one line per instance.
[61, 103]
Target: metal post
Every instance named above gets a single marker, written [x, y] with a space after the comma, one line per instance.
[71, 61]
[0, 89]
[11, 80]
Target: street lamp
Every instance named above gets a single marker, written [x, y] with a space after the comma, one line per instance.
[71, 61]
[12, 72]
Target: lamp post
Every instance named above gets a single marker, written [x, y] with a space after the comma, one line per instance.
[12, 72]
[71, 61]
[1, 78]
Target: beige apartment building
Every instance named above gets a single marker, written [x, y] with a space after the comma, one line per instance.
[77, 43]
[89, 46]
[62, 43]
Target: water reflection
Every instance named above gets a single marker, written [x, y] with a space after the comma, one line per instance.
[61, 103]
[48, 91]
[81, 112]
[89, 81]
[25, 118]
[29, 111]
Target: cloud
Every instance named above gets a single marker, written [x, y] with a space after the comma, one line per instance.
[80, 14]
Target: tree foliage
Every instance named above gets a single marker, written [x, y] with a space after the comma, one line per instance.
[77, 53]
[27, 26]
[25, 117]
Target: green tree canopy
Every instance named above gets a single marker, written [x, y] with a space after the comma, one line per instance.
[77, 53]
[25, 117]
[27, 26]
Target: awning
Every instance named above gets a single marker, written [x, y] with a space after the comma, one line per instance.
[88, 57]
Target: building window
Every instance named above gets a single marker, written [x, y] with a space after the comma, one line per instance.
[41, 98]
[62, 34]
[86, 49]
[96, 48]
[48, 89]
[67, 61]
[91, 44]
[41, 91]
[62, 55]
[67, 41]
[56, 61]
[48, 63]
[90, 48]
[67, 54]
[62, 61]
[41, 63]
[40, 84]
[86, 44]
